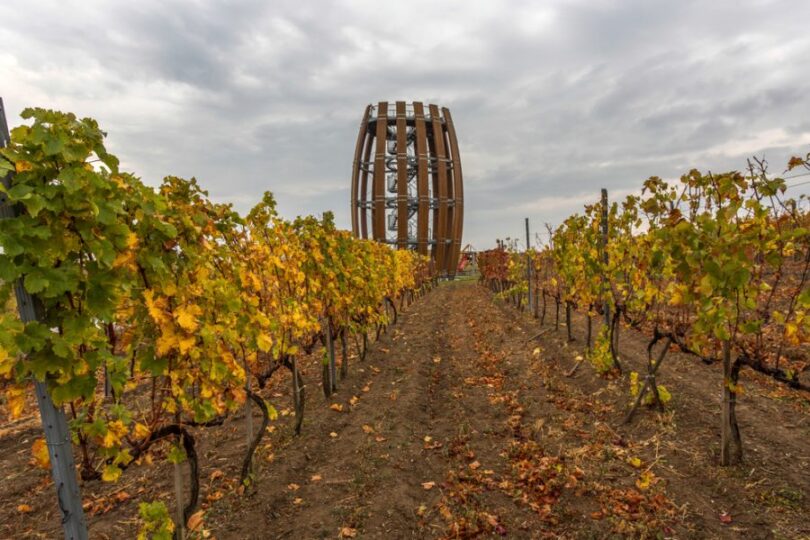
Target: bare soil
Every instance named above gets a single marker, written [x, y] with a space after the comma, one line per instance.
[462, 423]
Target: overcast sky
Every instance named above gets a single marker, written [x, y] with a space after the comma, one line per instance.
[551, 100]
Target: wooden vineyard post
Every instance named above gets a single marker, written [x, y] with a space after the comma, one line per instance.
[329, 372]
[248, 405]
[57, 433]
[730, 441]
[344, 365]
[603, 242]
[178, 495]
[530, 300]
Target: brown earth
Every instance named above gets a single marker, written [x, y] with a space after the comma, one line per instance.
[461, 422]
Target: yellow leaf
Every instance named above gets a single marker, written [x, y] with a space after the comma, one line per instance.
[348, 532]
[140, 431]
[39, 451]
[644, 481]
[22, 166]
[635, 462]
[368, 429]
[15, 400]
[24, 509]
[187, 343]
[111, 473]
[336, 407]
[185, 316]
[264, 342]
[155, 306]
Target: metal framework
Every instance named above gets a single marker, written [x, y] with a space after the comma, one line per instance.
[406, 181]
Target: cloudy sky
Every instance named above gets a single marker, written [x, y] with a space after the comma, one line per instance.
[551, 100]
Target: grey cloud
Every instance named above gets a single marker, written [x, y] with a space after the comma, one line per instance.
[551, 101]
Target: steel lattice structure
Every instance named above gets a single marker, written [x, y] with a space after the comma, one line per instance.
[407, 182]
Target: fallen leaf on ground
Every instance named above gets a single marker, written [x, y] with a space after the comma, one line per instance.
[298, 500]
[348, 532]
[367, 428]
[293, 487]
[475, 464]
[215, 496]
[336, 407]
[195, 521]
[333, 434]
[354, 400]
[24, 508]
[428, 485]
[316, 478]
[725, 517]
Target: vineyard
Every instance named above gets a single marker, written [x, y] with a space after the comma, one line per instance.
[159, 311]
[717, 266]
[180, 342]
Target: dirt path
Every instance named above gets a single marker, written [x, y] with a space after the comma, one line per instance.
[460, 424]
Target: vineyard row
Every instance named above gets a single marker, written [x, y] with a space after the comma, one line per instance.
[717, 265]
[156, 311]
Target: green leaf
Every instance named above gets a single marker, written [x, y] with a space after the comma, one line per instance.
[35, 281]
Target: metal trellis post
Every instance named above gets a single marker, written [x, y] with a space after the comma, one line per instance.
[57, 433]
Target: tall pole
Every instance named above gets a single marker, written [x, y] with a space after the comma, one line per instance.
[528, 267]
[57, 433]
[605, 253]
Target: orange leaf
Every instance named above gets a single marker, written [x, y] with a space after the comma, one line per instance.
[195, 521]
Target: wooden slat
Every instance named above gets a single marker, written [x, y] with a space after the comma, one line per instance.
[358, 152]
[369, 145]
[457, 225]
[378, 183]
[422, 189]
[402, 178]
[440, 233]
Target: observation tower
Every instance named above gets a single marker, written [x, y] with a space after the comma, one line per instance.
[406, 181]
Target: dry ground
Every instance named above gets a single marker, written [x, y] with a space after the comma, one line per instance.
[462, 423]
